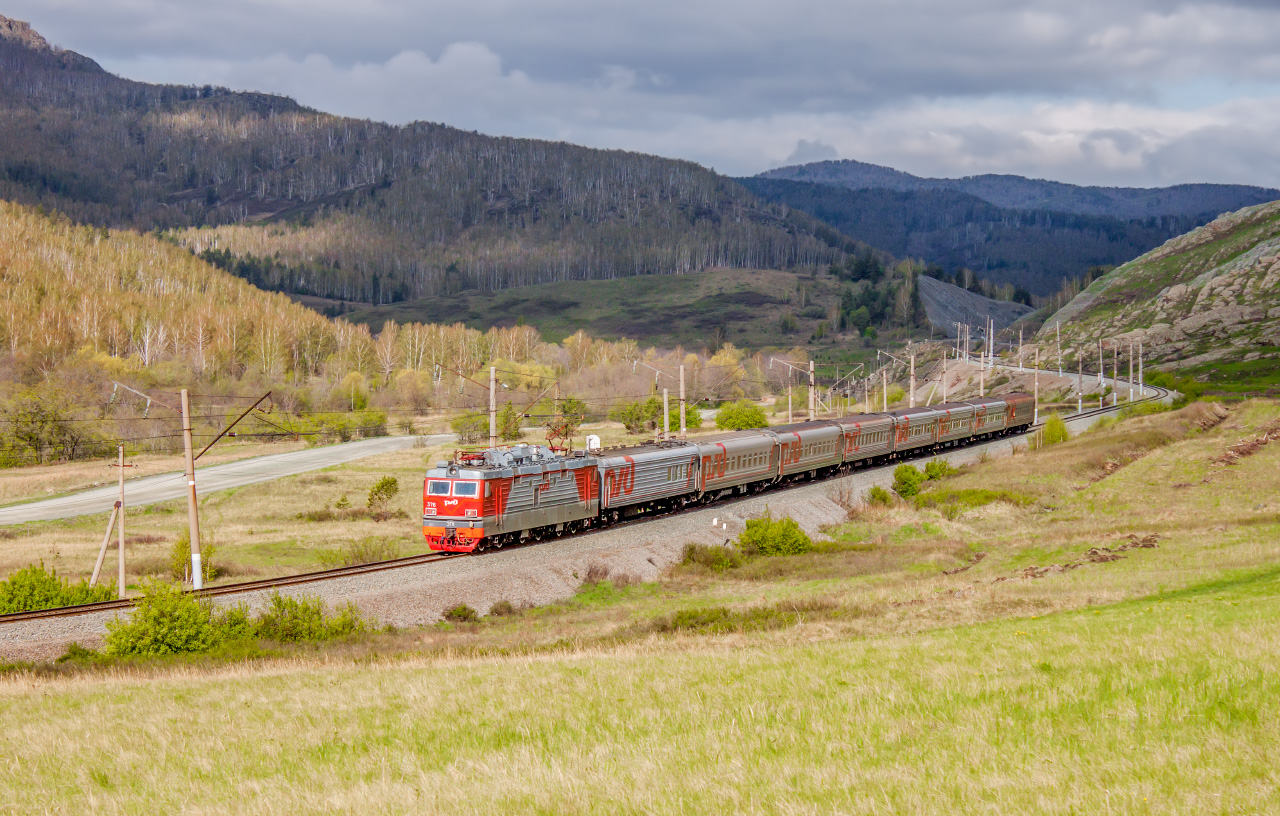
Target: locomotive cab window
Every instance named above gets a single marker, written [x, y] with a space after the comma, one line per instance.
[437, 488]
[469, 489]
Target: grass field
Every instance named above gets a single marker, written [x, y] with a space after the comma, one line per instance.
[1093, 627]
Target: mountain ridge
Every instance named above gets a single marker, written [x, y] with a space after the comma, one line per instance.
[1019, 192]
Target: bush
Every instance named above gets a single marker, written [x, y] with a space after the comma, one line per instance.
[740, 415]
[502, 609]
[714, 557]
[938, 469]
[765, 536]
[877, 495]
[896, 394]
[292, 620]
[461, 614]
[638, 417]
[165, 621]
[382, 493]
[509, 423]
[907, 480]
[365, 551]
[471, 427]
[33, 587]
[1055, 430]
[692, 416]
[180, 558]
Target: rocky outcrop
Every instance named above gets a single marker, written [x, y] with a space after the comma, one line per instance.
[945, 305]
[1212, 294]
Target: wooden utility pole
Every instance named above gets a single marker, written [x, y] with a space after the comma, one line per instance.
[911, 401]
[193, 512]
[682, 403]
[813, 394]
[493, 406]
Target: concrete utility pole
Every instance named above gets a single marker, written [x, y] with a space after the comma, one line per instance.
[120, 571]
[813, 394]
[982, 381]
[911, 403]
[1019, 349]
[884, 376]
[1057, 331]
[682, 402]
[493, 406]
[1035, 417]
[193, 511]
[1142, 384]
[1130, 371]
[1101, 364]
[1079, 385]
[1115, 373]
[666, 415]
[788, 399]
[944, 378]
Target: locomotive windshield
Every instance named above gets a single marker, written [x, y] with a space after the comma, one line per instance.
[465, 489]
[437, 488]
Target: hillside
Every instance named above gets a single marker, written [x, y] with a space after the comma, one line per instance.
[946, 305]
[1033, 249]
[1205, 301]
[744, 307]
[361, 210]
[1019, 193]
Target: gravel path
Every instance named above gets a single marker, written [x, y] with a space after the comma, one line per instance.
[167, 486]
[536, 574]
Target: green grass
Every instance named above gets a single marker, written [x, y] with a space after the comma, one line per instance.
[663, 310]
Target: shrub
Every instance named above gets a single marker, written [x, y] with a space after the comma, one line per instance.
[1055, 430]
[740, 415]
[382, 493]
[471, 427]
[180, 558]
[877, 495]
[509, 423]
[165, 621]
[714, 557]
[766, 536]
[292, 620]
[502, 609]
[896, 394]
[692, 416]
[638, 417]
[907, 480]
[365, 551]
[33, 587]
[938, 469]
[343, 503]
[461, 614]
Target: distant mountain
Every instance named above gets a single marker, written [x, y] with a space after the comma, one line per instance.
[1033, 249]
[1019, 193]
[298, 200]
[1203, 300]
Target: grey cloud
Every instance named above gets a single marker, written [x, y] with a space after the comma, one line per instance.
[738, 85]
[807, 151]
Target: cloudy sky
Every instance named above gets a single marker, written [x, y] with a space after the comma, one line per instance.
[1112, 92]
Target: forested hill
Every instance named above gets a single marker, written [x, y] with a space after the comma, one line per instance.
[303, 201]
[1201, 201]
[1036, 250]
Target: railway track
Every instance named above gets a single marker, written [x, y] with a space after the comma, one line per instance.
[1158, 394]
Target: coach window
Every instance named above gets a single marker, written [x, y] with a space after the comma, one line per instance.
[437, 488]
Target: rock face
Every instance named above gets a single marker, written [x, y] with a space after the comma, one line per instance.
[1210, 295]
[947, 305]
